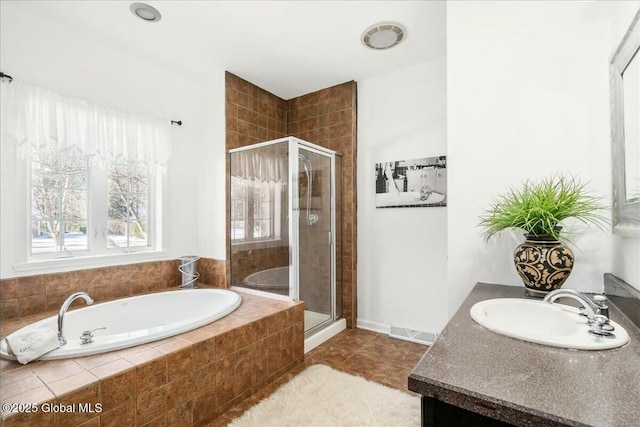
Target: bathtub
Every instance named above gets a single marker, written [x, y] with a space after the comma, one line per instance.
[274, 280]
[135, 320]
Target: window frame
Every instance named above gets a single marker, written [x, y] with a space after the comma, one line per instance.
[97, 253]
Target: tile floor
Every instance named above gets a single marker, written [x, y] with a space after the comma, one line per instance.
[371, 355]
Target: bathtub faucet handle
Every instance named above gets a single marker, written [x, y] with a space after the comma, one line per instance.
[87, 336]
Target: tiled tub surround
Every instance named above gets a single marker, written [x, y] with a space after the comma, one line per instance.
[212, 272]
[529, 384]
[184, 380]
[26, 296]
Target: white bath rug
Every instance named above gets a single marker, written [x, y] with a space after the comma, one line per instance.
[321, 396]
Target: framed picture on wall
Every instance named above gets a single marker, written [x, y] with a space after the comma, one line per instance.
[412, 183]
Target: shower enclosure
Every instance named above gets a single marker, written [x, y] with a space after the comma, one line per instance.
[285, 225]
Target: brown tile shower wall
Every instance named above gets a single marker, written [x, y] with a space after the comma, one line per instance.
[326, 118]
[252, 114]
[26, 296]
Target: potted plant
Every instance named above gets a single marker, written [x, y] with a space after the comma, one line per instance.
[543, 261]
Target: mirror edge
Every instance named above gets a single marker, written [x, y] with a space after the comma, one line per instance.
[625, 216]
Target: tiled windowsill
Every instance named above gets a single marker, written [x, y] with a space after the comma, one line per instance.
[187, 379]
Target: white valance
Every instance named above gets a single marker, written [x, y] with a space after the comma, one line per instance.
[40, 119]
[263, 164]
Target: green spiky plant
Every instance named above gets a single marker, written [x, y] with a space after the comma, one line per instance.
[538, 206]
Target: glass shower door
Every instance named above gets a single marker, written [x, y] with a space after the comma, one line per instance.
[259, 214]
[315, 225]
[285, 207]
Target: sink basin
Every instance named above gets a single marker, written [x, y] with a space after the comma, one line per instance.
[555, 324]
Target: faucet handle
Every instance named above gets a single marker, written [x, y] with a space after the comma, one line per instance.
[601, 302]
[87, 336]
[600, 299]
[601, 327]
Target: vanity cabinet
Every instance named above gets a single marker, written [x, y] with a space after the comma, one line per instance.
[437, 413]
[473, 377]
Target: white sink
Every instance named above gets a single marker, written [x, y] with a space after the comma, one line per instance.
[540, 322]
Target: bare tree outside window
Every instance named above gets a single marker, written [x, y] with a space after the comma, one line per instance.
[61, 196]
[128, 201]
[59, 203]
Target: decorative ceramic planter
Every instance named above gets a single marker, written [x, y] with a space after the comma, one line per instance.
[543, 264]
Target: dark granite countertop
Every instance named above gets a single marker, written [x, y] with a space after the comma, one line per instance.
[529, 384]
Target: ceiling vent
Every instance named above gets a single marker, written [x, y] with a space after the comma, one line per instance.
[383, 35]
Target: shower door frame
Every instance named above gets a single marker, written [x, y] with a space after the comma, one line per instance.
[294, 235]
[294, 216]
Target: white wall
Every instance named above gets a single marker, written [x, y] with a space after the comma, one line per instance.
[211, 203]
[626, 250]
[402, 252]
[46, 52]
[527, 97]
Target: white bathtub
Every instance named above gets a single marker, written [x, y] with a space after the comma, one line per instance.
[135, 320]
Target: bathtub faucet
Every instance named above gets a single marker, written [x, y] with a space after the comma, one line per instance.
[63, 311]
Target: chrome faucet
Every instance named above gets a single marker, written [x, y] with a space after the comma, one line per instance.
[596, 311]
[63, 311]
[589, 306]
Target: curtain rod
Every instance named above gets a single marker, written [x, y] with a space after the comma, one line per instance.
[4, 76]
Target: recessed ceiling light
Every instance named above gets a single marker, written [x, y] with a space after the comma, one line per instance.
[145, 12]
[383, 35]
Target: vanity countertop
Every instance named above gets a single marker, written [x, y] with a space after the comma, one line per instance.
[529, 384]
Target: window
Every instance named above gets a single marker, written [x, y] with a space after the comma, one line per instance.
[59, 203]
[88, 180]
[254, 209]
[128, 201]
[79, 208]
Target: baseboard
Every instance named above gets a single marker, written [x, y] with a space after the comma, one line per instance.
[373, 326]
[420, 337]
